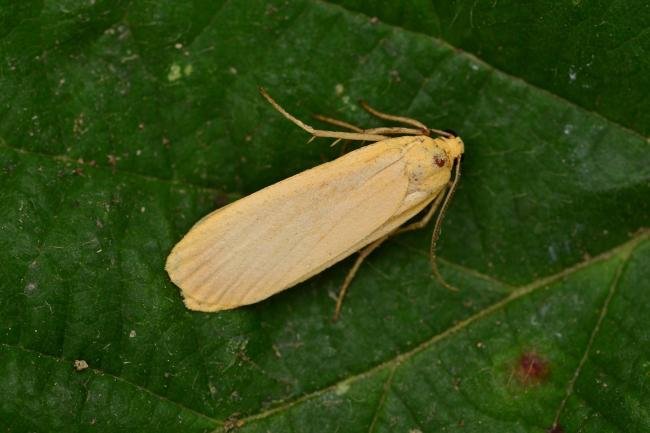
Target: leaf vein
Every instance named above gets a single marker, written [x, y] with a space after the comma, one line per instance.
[477, 59]
[601, 317]
[513, 296]
[382, 398]
[67, 159]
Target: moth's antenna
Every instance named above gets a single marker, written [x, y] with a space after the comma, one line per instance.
[436, 229]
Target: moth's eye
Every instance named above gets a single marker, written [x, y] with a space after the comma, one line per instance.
[439, 160]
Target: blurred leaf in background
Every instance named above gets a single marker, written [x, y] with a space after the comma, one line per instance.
[122, 123]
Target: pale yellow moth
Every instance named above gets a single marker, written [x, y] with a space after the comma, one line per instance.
[287, 232]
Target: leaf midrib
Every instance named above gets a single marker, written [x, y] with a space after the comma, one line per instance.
[394, 362]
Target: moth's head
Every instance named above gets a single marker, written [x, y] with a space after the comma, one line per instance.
[453, 147]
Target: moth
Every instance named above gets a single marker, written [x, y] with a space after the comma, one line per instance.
[285, 233]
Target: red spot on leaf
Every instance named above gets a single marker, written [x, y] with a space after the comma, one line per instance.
[532, 369]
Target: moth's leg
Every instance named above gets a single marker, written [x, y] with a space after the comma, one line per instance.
[338, 122]
[396, 131]
[373, 246]
[342, 124]
[361, 136]
[422, 223]
[353, 271]
[420, 127]
[383, 131]
[425, 220]
[393, 118]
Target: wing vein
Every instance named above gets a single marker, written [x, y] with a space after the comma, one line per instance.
[317, 242]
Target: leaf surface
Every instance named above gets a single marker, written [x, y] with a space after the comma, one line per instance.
[123, 123]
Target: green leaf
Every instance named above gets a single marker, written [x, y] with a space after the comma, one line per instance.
[123, 123]
[590, 53]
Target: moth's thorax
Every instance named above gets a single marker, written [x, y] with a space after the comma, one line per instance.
[454, 147]
[428, 164]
